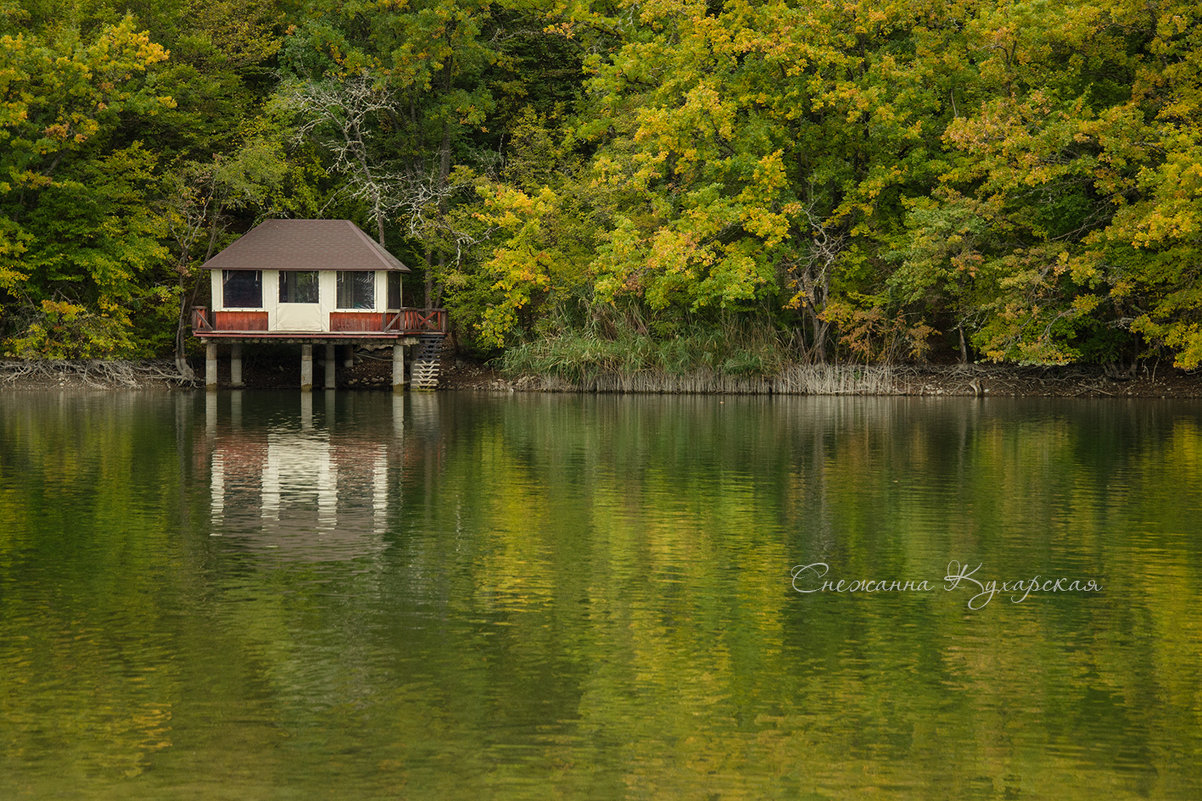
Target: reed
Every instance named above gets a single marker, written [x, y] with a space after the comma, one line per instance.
[732, 360]
[793, 380]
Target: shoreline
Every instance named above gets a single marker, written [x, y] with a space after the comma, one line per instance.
[91, 374]
[973, 380]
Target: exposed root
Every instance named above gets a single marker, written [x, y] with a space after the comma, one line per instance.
[90, 373]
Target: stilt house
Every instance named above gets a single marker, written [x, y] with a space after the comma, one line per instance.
[312, 282]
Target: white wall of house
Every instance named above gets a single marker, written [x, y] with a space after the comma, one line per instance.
[215, 285]
[300, 316]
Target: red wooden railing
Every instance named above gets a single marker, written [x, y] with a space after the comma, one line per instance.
[240, 320]
[432, 321]
[357, 321]
[200, 320]
[404, 321]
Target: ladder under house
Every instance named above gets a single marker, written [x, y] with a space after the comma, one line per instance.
[427, 361]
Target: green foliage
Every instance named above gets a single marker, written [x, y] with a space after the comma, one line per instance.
[532, 243]
[60, 330]
[1018, 177]
[84, 243]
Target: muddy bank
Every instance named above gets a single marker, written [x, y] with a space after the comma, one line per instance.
[370, 372]
[928, 380]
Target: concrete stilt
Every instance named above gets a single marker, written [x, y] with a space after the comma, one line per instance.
[348, 357]
[398, 367]
[331, 363]
[306, 368]
[211, 365]
[236, 365]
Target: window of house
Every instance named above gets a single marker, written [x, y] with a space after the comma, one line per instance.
[394, 290]
[356, 289]
[242, 289]
[298, 286]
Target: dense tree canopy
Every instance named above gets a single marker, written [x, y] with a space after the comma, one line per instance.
[1006, 180]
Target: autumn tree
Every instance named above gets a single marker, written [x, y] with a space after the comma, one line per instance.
[82, 247]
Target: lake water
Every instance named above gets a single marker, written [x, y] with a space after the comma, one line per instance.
[269, 596]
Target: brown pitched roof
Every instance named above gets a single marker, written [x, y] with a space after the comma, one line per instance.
[305, 245]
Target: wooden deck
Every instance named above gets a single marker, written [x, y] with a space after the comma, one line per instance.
[343, 326]
[399, 328]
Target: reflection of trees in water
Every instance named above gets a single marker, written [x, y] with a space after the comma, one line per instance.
[626, 554]
[596, 590]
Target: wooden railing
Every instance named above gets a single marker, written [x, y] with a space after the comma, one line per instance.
[200, 320]
[403, 321]
[432, 321]
[351, 321]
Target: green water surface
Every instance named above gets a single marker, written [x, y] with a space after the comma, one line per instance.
[355, 595]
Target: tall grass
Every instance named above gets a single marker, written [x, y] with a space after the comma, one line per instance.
[728, 359]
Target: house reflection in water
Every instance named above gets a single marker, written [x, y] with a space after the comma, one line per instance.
[300, 492]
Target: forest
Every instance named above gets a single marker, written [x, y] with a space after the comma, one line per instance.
[731, 185]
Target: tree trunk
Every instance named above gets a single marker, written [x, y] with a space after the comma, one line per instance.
[433, 289]
[819, 330]
[181, 360]
[379, 214]
[186, 298]
[428, 294]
